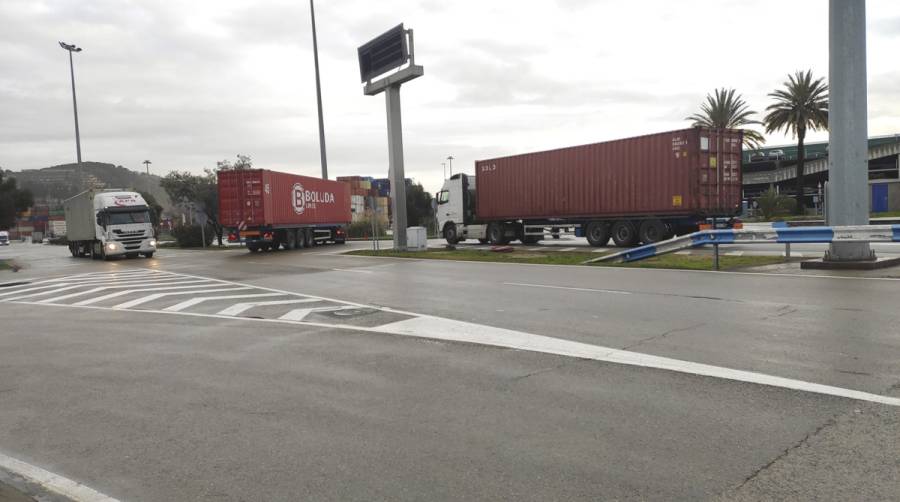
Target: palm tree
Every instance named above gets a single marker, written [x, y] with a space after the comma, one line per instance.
[800, 106]
[724, 110]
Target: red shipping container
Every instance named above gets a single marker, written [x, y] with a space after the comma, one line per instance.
[260, 197]
[687, 172]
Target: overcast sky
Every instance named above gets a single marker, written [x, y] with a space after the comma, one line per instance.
[187, 83]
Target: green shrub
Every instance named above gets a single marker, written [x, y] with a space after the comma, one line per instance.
[190, 236]
[363, 229]
[772, 204]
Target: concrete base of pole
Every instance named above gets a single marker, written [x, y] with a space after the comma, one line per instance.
[849, 251]
[874, 264]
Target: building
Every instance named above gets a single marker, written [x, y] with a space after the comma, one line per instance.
[776, 167]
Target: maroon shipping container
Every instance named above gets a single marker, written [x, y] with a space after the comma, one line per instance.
[688, 172]
[262, 198]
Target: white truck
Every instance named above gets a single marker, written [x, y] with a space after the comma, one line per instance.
[106, 223]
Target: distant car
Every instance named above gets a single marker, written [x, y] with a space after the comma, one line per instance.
[757, 157]
[4, 238]
[776, 154]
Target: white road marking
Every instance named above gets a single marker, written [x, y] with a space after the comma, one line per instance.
[239, 308]
[25, 290]
[353, 270]
[172, 282]
[157, 296]
[566, 249]
[300, 314]
[194, 301]
[794, 254]
[117, 294]
[600, 250]
[613, 291]
[47, 480]
[682, 252]
[535, 249]
[734, 253]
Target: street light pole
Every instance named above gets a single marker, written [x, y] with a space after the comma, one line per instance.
[312, 13]
[444, 165]
[72, 48]
[147, 165]
[450, 158]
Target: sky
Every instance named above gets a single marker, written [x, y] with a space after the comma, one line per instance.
[186, 83]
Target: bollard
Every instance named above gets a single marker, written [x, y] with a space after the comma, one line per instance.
[787, 250]
[716, 256]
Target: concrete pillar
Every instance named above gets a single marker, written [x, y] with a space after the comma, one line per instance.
[397, 174]
[848, 173]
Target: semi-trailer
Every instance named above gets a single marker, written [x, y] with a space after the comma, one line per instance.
[106, 223]
[269, 210]
[641, 189]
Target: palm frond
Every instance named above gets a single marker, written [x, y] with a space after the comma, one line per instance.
[724, 109]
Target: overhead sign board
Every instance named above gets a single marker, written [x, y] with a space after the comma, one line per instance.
[383, 53]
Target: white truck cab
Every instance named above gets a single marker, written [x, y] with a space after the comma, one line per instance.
[109, 223]
[456, 210]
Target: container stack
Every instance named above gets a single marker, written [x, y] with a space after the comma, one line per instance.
[368, 196]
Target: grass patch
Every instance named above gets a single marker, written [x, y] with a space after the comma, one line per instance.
[888, 214]
[5, 264]
[684, 262]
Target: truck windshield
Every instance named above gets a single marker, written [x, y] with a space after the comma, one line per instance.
[129, 217]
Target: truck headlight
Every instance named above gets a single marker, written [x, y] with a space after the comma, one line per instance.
[111, 246]
[152, 243]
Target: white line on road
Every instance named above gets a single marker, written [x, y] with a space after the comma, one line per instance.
[300, 314]
[194, 301]
[353, 270]
[734, 253]
[171, 282]
[567, 249]
[613, 291]
[239, 308]
[47, 480]
[157, 296]
[117, 294]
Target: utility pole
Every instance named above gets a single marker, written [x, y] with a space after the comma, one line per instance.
[450, 159]
[444, 165]
[147, 166]
[73, 48]
[312, 13]
[848, 171]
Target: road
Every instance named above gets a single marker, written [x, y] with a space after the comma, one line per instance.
[371, 378]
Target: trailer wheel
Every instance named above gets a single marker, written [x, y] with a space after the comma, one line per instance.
[290, 239]
[597, 233]
[496, 235]
[450, 233]
[253, 248]
[531, 239]
[73, 248]
[624, 234]
[482, 241]
[652, 231]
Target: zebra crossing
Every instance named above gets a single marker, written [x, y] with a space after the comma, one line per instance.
[174, 293]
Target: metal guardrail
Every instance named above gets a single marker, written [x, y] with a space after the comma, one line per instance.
[783, 235]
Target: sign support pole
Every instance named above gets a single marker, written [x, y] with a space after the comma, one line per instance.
[395, 157]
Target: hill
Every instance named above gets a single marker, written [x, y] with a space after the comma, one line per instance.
[52, 185]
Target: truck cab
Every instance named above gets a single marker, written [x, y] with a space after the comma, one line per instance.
[456, 214]
[109, 223]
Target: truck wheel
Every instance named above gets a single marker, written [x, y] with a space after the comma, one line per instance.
[652, 231]
[597, 233]
[290, 239]
[554, 232]
[482, 241]
[253, 248]
[450, 234]
[624, 234]
[149, 255]
[496, 235]
[73, 248]
[531, 239]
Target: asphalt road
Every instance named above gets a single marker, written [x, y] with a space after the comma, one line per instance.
[144, 403]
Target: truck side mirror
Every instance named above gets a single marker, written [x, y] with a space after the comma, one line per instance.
[100, 220]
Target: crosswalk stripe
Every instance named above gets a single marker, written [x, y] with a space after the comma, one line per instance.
[97, 299]
[194, 301]
[149, 298]
[45, 286]
[104, 288]
[239, 308]
[299, 314]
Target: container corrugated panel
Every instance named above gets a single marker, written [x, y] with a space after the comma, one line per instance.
[686, 172]
[260, 197]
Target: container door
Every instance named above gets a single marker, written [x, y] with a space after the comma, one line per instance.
[720, 171]
[879, 198]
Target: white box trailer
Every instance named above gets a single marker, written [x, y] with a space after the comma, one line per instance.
[109, 223]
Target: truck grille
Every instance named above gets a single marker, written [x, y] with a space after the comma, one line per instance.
[130, 240]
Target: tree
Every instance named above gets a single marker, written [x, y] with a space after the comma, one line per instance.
[800, 106]
[418, 205]
[201, 190]
[772, 204]
[724, 110]
[13, 200]
[244, 162]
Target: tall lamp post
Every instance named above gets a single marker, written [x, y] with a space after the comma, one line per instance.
[147, 166]
[450, 159]
[73, 48]
[444, 165]
[312, 13]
